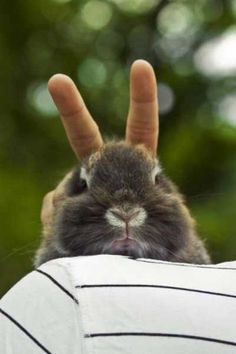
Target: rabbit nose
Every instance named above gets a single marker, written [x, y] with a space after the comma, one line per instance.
[120, 217]
[124, 215]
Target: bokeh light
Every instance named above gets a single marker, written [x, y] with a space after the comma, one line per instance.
[227, 109]
[176, 19]
[217, 56]
[40, 99]
[166, 98]
[92, 72]
[96, 14]
[136, 6]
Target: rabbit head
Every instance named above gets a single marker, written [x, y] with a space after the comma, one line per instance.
[119, 201]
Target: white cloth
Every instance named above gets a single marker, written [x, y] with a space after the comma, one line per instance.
[113, 304]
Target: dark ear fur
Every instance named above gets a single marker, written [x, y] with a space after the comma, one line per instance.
[75, 184]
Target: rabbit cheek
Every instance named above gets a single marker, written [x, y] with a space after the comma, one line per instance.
[79, 226]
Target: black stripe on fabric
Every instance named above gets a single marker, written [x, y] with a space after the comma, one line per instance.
[28, 334]
[169, 335]
[58, 285]
[153, 286]
[183, 264]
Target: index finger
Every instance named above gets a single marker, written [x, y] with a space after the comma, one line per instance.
[82, 131]
[142, 123]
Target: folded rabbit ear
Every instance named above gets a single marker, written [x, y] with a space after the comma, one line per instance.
[142, 124]
[82, 131]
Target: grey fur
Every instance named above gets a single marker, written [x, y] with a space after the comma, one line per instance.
[120, 176]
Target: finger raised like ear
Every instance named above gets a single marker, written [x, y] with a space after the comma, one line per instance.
[142, 123]
[82, 131]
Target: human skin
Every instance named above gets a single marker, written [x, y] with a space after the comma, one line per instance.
[142, 125]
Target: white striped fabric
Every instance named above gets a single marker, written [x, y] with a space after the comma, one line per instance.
[114, 304]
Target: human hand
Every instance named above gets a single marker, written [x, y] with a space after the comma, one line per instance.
[82, 131]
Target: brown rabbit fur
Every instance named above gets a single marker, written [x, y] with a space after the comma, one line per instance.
[118, 201]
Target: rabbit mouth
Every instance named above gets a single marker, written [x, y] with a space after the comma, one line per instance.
[127, 246]
[124, 242]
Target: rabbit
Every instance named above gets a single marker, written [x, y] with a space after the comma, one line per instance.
[118, 201]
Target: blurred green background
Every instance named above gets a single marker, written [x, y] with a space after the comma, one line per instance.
[192, 47]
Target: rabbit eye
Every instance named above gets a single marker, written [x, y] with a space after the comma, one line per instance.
[157, 179]
[82, 186]
[76, 184]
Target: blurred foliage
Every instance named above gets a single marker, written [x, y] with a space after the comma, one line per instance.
[191, 45]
